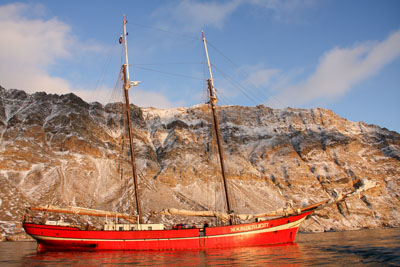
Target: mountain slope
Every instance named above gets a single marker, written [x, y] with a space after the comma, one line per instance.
[63, 151]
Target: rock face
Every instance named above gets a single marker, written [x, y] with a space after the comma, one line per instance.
[63, 151]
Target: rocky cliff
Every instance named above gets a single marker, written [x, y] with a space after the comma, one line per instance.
[63, 151]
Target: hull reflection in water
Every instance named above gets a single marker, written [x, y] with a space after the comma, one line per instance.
[247, 256]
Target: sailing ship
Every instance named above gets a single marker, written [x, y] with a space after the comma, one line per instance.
[133, 234]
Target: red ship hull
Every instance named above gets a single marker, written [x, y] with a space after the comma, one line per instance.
[276, 231]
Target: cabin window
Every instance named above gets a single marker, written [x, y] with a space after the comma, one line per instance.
[150, 228]
[121, 228]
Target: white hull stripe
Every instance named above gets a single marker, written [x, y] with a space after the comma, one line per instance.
[272, 229]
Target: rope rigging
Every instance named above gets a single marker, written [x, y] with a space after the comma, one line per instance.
[251, 92]
[190, 37]
[244, 91]
[169, 73]
[236, 85]
[242, 73]
[168, 63]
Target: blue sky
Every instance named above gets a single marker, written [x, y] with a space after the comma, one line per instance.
[340, 55]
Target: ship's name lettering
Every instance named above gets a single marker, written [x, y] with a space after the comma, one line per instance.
[249, 227]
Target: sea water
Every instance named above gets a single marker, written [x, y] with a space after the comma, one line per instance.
[353, 248]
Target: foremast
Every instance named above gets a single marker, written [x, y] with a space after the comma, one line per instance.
[127, 85]
[213, 104]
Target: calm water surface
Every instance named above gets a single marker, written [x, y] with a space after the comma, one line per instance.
[356, 248]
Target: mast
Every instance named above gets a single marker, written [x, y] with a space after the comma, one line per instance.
[213, 104]
[127, 85]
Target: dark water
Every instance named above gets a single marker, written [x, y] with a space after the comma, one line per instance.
[356, 248]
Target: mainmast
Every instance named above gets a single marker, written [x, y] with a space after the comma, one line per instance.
[213, 104]
[127, 85]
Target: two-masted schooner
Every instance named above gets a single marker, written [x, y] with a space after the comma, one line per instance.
[134, 234]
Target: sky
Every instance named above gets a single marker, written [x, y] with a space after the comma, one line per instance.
[342, 55]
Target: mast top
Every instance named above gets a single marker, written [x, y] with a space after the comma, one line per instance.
[213, 96]
[128, 83]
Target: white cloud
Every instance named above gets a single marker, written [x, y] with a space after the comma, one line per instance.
[283, 8]
[193, 15]
[151, 99]
[258, 75]
[340, 69]
[29, 47]
[137, 96]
